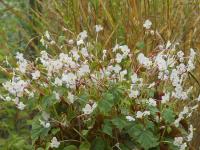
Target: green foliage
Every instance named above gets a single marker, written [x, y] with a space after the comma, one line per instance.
[105, 105]
[144, 136]
[119, 122]
[70, 147]
[38, 131]
[168, 115]
[107, 127]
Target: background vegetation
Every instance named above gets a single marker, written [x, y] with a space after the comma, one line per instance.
[22, 22]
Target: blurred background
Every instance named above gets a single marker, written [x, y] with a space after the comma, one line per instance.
[22, 22]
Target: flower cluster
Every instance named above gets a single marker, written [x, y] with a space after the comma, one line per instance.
[92, 83]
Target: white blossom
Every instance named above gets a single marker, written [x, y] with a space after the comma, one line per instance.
[89, 108]
[129, 118]
[152, 102]
[98, 28]
[21, 106]
[144, 61]
[191, 134]
[84, 69]
[141, 114]
[58, 81]
[69, 79]
[119, 57]
[47, 35]
[147, 24]
[71, 97]
[44, 124]
[82, 35]
[84, 52]
[35, 75]
[55, 143]
[134, 93]
[165, 98]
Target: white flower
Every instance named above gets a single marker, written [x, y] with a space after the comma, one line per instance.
[161, 63]
[181, 68]
[139, 114]
[152, 85]
[21, 62]
[144, 60]
[57, 95]
[165, 98]
[75, 54]
[152, 102]
[104, 53]
[183, 146]
[129, 118]
[54, 143]
[16, 86]
[178, 141]
[84, 52]
[80, 42]
[180, 55]
[98, 28]
[58, 81]
[115, 48]
[146, 113]
[122, 74]
[84, 69]
[71, 97]
[134, 93]
[190, 66]
[8, 98]
[117, 68]
[88, 109]
[21, 106]
[44, 124]
[134, 78]
[191, 134]
[69, 79]
[71, 42]
[198, 98]
[125, 50]
[19, 56]
[82, 35]
[35, 75]
[147, 24]
[119, 57]
[47, 35]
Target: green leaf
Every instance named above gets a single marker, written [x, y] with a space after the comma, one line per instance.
[48, 101]
[99, 144]
[70, 147]
[153, 110]
[147, 140]
[120, 123]
[106, 103]
[38, 131]
[55, 131]
[84, 146]
[168, 115]
[143, 136]
[107, 127]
